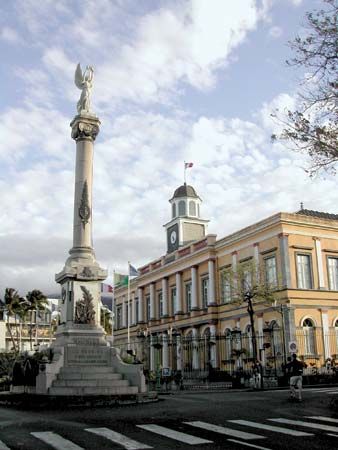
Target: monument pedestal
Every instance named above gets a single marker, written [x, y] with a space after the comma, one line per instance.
[85, 365]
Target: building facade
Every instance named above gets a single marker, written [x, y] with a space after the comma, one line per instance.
[186, 294]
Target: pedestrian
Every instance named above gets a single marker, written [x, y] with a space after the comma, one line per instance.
[295, 370]
[257, 375]
[286, 374]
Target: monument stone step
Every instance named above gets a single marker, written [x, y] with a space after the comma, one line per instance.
[121, 390]
[90, 383]
[86, 369]
[88, 376]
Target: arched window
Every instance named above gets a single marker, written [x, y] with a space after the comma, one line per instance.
[192, 208]
[181, 208]
[277, 339]
[173, 206]
[309, 331]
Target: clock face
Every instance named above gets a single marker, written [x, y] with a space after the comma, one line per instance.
[172, 237]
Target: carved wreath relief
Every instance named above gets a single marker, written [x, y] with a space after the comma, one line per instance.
[84, 308]
[84, 209]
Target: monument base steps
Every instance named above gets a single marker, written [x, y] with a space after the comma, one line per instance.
[80, 380]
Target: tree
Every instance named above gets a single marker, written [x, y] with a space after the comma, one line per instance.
[313, 127]
[14, 306]
[106, 320]
[36, 302]
[247, 285]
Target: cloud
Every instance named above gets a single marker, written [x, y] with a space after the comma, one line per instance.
[10, 35]
[275, 32]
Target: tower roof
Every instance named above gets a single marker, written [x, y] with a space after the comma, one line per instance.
[185, 191]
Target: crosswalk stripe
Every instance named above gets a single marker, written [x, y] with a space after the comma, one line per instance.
[307, 424]
[56, 441]
[263, 426]
[173, 434]
[3, 446]
[248, 445]
[118, 438]
[331, 434]
[225, 430]
[323, 418]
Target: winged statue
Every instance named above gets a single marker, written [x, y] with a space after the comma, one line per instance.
[84, 81]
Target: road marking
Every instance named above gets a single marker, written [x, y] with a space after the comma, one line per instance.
[173, 434]
[224, 430]
[307, 424]
[3, 446]
[56, 441]
[248, 445]
[118, 438]
[325, 419]
[270, 428]
[331, 434]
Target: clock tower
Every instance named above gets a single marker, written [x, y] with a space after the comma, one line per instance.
[185, 225]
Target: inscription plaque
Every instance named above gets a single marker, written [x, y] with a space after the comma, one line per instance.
[89, 355]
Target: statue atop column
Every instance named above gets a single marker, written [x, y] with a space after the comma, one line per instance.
[84, 81]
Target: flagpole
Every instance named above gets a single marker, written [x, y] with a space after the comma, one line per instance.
[112, 305]
[185, 170]
[128, 315]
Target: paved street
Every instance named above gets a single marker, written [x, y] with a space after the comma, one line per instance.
[238, 420]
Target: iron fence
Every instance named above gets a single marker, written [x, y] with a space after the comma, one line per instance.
[207, 359]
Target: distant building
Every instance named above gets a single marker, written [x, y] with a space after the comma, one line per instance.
[36, 329]
[186, 292]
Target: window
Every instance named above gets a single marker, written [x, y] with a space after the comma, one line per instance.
[160, 303]
[304, 271]
[225, 287]
[192, 208]
[136, 308]
[247, 278]
[271, 271]
[173, 301]
[119, 317]
[309, 337]
[181, 208]
[174, 210]
[333, 273]
[188, 296]
[148, 306]
[205, 288]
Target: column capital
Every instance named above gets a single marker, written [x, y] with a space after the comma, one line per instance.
[85, 127]
[280, 235]
[315, 238]
[256, 244]
[259, 315]
[234, 253]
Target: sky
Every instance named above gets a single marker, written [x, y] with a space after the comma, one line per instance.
[174, 81]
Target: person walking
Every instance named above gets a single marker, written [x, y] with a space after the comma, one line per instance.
[295, 370]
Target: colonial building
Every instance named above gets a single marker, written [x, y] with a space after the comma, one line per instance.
[186, 292]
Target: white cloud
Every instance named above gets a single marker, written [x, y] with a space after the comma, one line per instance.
[10, 35]
[275, 32]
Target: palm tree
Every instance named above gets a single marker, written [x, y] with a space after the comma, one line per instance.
[14, 307]
[37, 302]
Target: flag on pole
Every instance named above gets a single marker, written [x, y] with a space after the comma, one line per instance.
[120, 279]
[106, 288]
[188, 165]
[133, 272]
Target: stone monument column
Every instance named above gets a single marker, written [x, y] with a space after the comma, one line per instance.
[81, 277]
